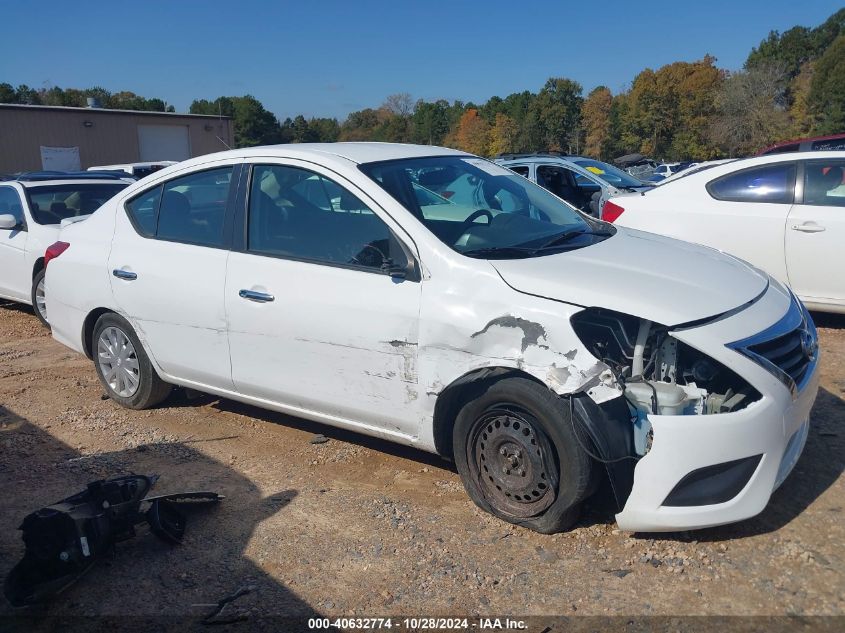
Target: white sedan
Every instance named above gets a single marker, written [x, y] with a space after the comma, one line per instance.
[784, 213]
[530, 343]
[31, 209]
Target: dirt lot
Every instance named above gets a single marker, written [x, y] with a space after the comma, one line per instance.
[360, 526]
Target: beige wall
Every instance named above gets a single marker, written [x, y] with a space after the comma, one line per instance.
[113, 137]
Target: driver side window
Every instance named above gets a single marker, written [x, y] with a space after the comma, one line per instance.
[299, 214]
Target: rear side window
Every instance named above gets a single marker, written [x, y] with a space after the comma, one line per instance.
[302, 215]
[522, 170]
[835, 144]
[143, 211]
[823, 183]
[769, 183]
[191, 209]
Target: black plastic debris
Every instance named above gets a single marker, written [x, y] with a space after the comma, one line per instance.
[66, 538]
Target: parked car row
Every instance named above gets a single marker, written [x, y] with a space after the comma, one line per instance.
[439, 300]
[32, 207]
[780, 212]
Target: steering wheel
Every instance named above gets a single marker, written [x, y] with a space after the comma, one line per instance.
[473, 217]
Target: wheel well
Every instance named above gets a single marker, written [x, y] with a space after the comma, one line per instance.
[38, 267]
[456, 395]
[88, 329]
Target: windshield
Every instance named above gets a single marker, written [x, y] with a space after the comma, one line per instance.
[483, 210]
[51, 204]
[608, 173]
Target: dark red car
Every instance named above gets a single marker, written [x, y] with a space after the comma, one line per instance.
[812, 144]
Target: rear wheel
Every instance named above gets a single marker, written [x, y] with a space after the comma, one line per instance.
[39, 304]
[124, 369]
[518, 457]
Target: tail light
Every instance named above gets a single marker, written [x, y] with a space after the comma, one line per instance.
[54, 250]
[611, 211]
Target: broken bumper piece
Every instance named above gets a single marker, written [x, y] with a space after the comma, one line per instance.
[708, 470]
[66, 538]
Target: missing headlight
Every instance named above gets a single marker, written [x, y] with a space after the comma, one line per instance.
[660, 374]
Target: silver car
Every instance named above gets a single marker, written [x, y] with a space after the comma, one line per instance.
[583, 182]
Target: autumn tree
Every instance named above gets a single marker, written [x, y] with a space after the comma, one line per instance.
[472, 133]
[595, 116]
[503, 135]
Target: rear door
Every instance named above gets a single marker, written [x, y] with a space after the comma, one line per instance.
[316, 322]
[168, 270]
[15, 278]
[815, 234]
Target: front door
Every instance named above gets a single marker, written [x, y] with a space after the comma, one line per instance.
[316, 322]
[815, 234]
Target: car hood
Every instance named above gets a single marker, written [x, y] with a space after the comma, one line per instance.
[653, 277]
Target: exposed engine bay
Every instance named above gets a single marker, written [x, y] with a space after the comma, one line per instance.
[659, 374]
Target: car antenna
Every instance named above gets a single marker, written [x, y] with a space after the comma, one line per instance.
[220, 115]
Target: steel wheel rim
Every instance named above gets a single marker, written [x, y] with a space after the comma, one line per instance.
[40, 300]
[118, 362]
[513, 462]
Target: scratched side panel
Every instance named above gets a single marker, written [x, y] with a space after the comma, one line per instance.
[470, 319]
[335, 341]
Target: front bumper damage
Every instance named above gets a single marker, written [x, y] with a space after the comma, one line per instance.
[708, 470]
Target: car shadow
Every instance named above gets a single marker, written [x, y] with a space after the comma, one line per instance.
[16, 307]
[182, 398]
[829, 320]
[820, 465]
[146, 584]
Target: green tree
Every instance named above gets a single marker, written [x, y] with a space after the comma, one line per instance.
[827, 89]
[558, 111]
[252, 123]
[752, 110]
[430, 122]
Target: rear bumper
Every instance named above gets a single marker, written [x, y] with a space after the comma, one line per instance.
[764, 440]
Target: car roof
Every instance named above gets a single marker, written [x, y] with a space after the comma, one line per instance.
[354, 152]
[535, 158]
[743, 163]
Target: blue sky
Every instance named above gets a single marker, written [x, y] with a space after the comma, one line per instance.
[328, 57]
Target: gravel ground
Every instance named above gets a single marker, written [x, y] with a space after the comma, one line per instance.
[356, 526]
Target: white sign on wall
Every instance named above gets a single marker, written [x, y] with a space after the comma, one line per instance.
[60, 159]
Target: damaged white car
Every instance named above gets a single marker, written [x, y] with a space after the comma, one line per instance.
[435, 299]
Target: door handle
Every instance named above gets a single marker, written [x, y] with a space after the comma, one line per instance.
[808, 227]
[124, 274]
[260, 297]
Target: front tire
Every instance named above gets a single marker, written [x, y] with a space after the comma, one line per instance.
[518, 456]
[38, 294]
[122, 365]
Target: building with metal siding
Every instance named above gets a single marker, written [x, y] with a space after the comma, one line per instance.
[105, 137]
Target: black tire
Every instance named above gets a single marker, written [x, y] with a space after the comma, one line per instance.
[38, 279]
[150, 390]
[535, 477]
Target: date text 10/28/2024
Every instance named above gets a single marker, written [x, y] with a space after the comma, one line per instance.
[417, 624]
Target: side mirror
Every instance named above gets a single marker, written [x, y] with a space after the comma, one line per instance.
[8, 222]
[393, 269]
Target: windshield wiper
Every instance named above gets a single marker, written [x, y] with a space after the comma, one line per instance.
[559, 239]
[493, 251]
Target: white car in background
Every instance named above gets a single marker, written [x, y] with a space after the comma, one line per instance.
[784, 213]
[139, 170]
[529, 342]
[31, 209]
